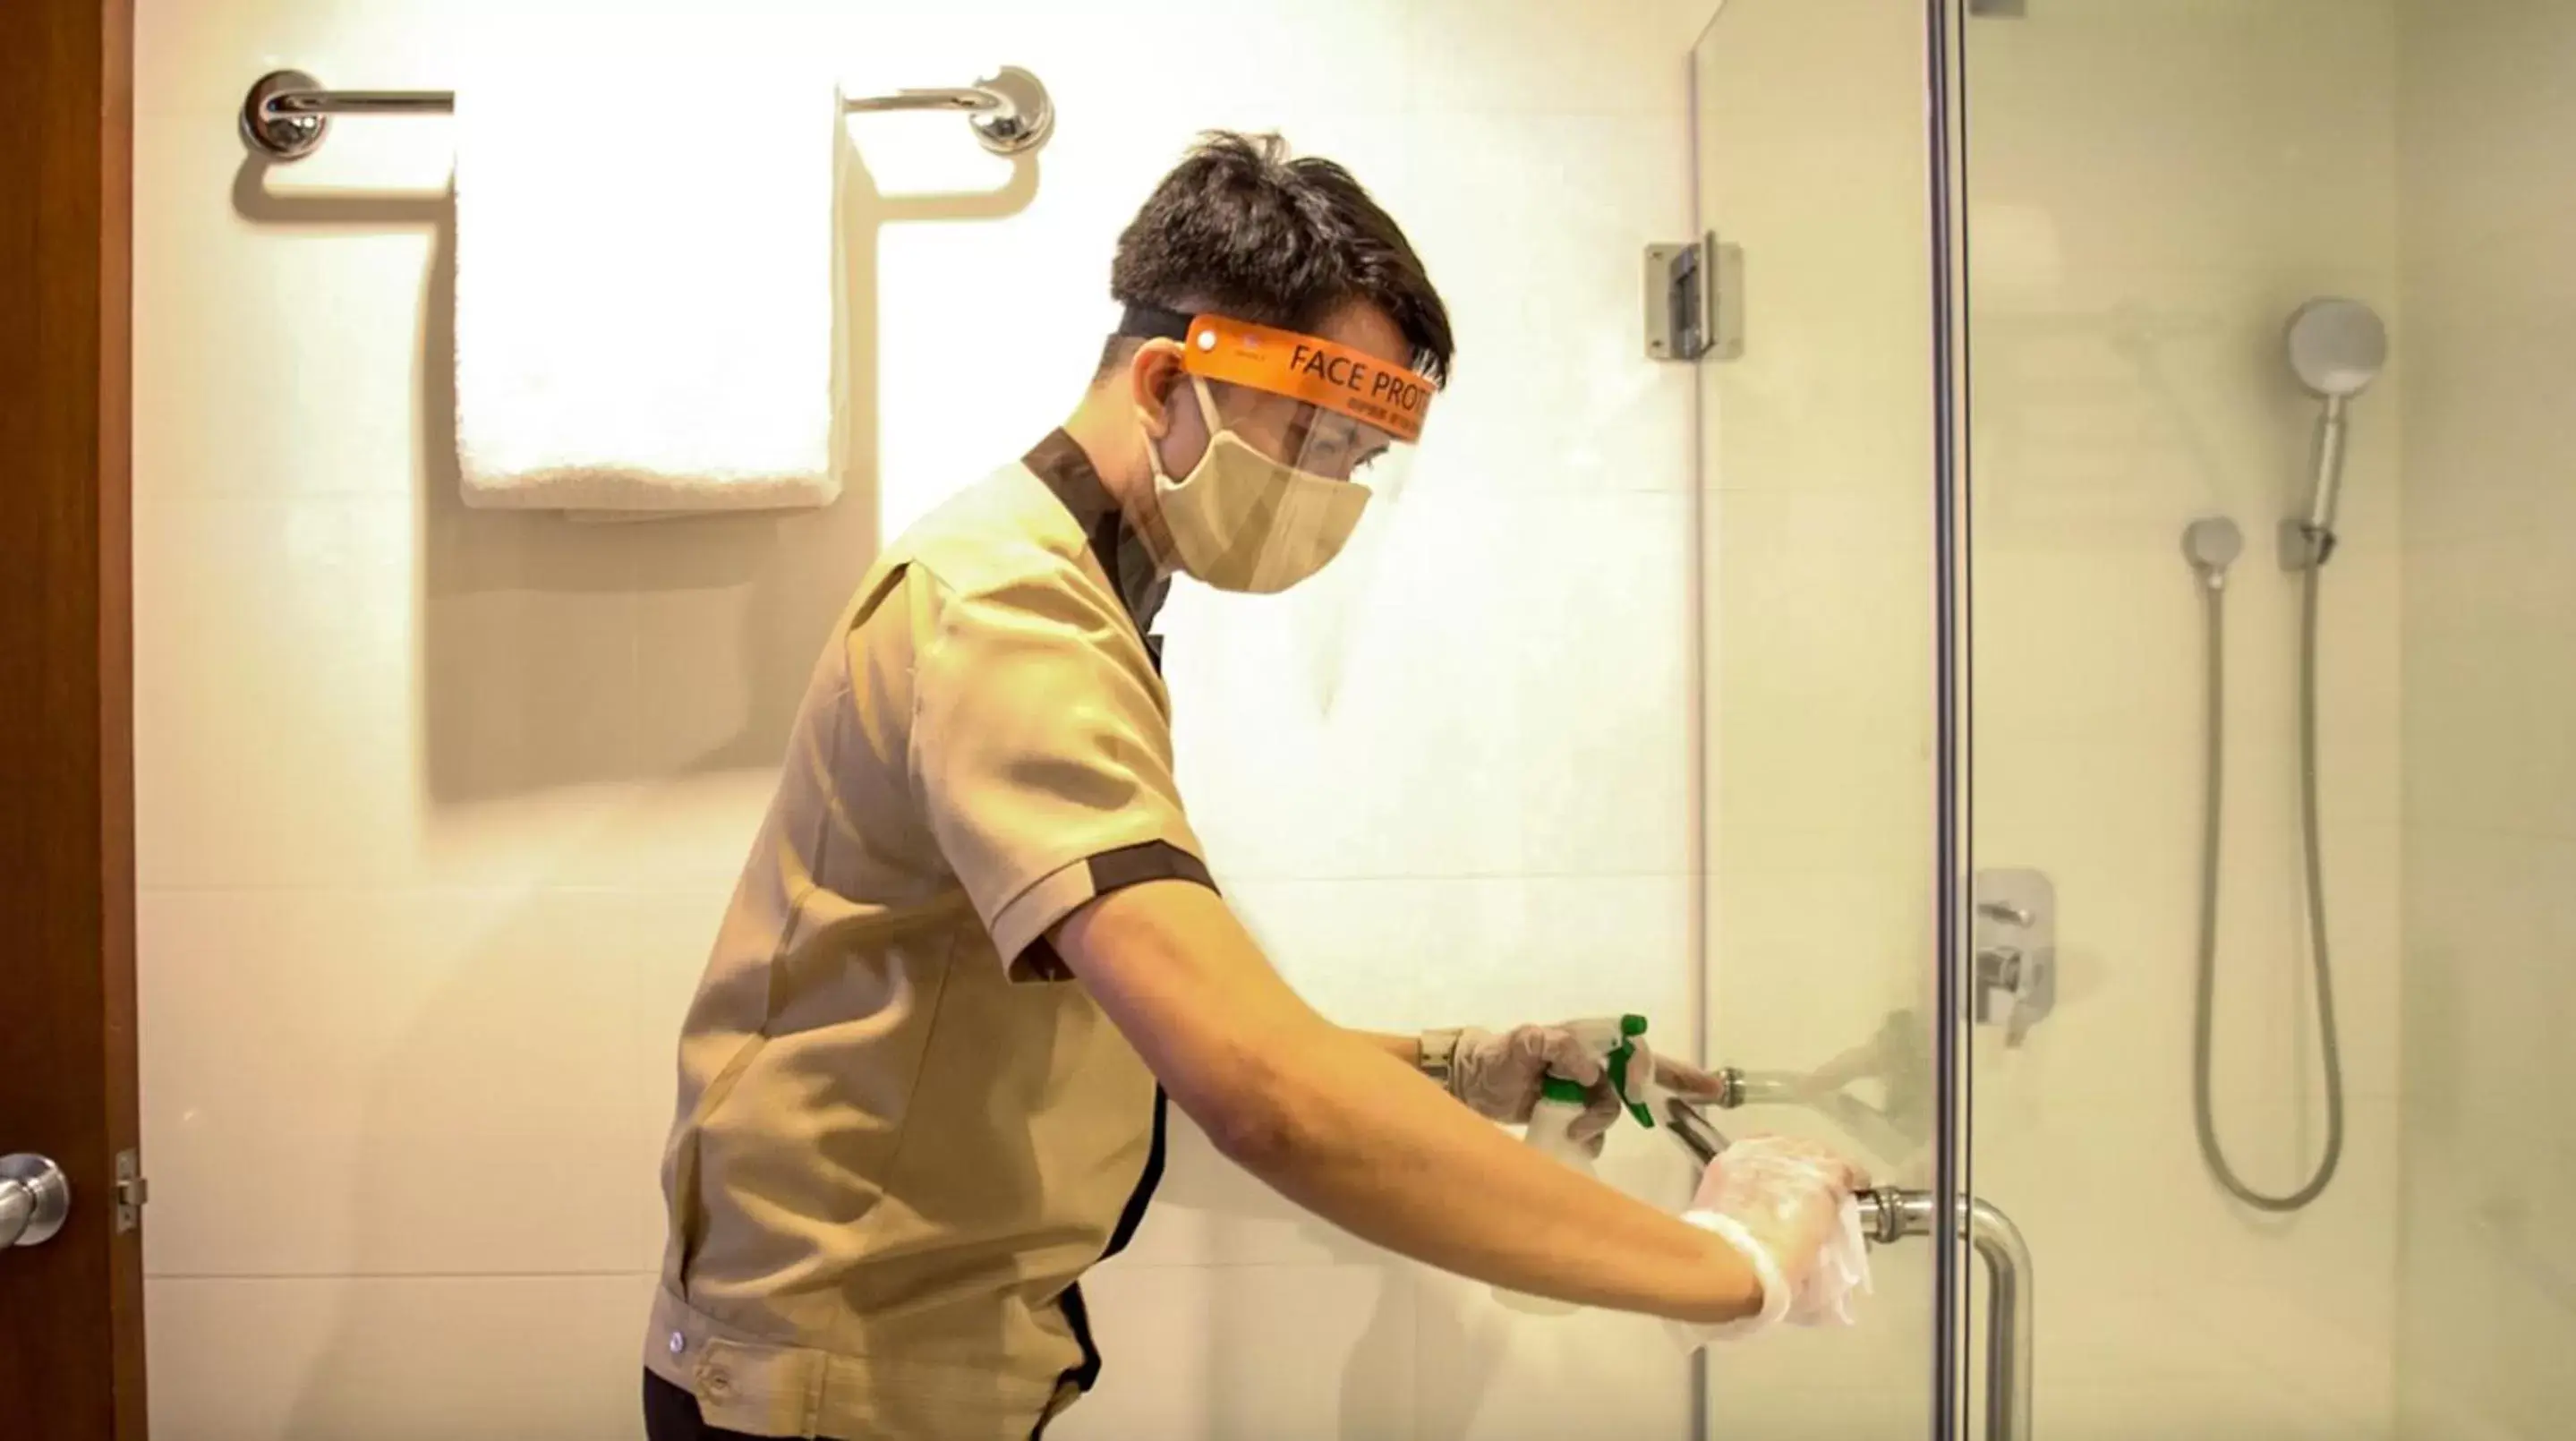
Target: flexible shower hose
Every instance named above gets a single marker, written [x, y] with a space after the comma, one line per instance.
[2203, 1118]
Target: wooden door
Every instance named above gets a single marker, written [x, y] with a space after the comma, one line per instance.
[71, 1308]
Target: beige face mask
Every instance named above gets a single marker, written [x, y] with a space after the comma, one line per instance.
[1242, 521]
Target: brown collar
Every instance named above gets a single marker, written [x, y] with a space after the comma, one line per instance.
[1059, 461]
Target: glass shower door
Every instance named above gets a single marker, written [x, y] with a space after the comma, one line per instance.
[1821, 664]
[2293, 1172]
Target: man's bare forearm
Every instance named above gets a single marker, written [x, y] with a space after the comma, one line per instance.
[1335, 1120]
[1407, 1049]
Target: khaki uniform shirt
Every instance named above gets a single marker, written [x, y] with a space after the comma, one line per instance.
[904, 1131]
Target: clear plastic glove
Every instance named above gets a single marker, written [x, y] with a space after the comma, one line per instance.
[1779, 1202]
[1497, 1075]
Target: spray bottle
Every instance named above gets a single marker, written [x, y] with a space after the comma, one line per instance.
[1562, 1102]
[1561, 1099]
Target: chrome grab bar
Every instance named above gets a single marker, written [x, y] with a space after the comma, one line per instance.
[284, 117]
[1889, 1215]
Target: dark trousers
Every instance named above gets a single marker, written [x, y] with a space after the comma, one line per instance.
[671, 1414]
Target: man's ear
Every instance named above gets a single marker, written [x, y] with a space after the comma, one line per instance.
[1152, 375]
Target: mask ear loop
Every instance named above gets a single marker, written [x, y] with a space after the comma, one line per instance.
[1211, 425]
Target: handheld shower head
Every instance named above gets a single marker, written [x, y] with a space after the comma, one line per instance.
[2336, 347]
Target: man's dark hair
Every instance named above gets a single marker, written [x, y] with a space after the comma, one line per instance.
[1240, 229]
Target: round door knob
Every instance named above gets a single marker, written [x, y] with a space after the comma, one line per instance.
[35, 1197]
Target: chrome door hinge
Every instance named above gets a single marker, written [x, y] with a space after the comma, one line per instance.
[1695, 300]
[132, 1191]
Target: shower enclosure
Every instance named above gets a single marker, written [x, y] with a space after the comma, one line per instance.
[2207, 915]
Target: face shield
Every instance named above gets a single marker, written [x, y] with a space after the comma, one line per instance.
[1300, 439]
[1302, 448]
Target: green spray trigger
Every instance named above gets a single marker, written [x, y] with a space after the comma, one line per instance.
[1630, 1027]
[1563, 1089]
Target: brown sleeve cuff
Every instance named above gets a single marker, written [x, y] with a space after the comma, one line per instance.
[1033, 914]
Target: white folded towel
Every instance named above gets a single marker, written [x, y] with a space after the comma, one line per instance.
[645, 292]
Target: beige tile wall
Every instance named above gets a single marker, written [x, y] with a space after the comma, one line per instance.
[2488, 1286]
[438, 808]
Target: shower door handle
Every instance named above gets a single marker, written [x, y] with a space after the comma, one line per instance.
[1888, 1216]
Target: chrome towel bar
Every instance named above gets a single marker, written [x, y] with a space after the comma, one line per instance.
[287, 112]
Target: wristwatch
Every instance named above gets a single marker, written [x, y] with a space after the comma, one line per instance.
[1439, 1050]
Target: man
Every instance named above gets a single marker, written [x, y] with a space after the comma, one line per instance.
[976, 945]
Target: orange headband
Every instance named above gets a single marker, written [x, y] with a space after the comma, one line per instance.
[1304, 367]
